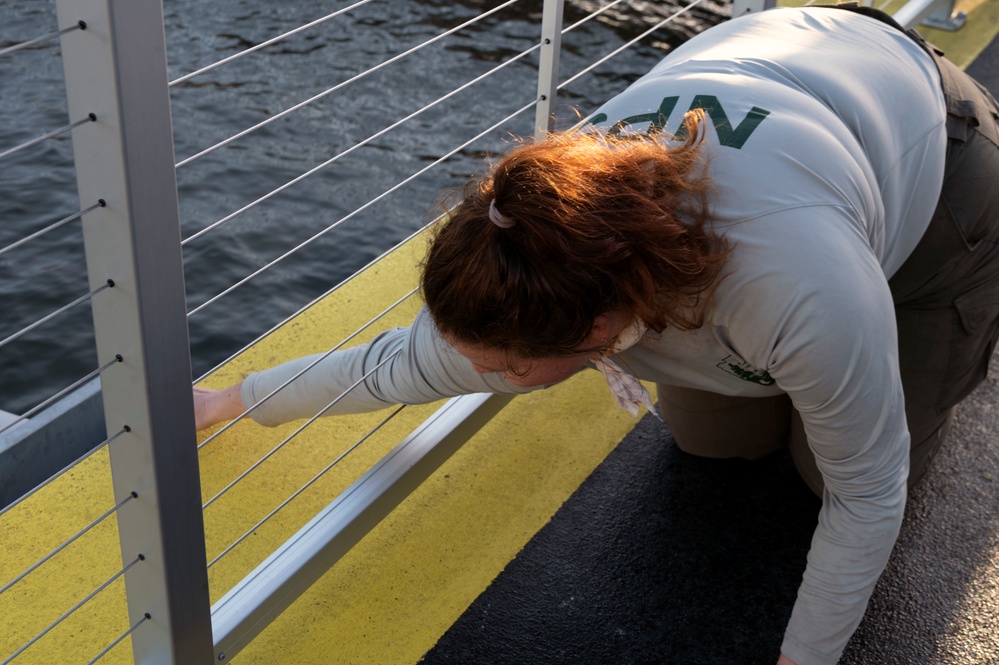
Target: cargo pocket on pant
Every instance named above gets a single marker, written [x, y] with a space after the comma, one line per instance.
[974, 339]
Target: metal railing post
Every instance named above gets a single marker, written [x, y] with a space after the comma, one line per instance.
[740, 7]
[116, 69]
[934, 13]
[551, 46]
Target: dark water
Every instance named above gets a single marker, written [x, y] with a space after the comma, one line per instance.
[37, 186]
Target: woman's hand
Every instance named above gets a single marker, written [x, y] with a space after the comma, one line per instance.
[784, 660]
[214, 406]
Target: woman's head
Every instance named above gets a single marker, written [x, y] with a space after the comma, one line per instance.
[581, 225]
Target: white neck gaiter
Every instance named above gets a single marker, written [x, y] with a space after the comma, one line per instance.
[628, 392]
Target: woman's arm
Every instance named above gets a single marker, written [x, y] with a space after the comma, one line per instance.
[411, 365]
[806, 300]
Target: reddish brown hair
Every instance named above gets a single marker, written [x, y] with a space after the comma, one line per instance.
[599, 222]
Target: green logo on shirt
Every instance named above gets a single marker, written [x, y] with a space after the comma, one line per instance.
[732, 137]
[745, 371]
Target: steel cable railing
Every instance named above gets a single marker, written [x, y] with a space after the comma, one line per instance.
[630, 43]
[48, 629]
[124, 430]
[341, 85]
[364, 142]
[269, 42]
[65, 308]
[378, 259]
[291, 436]
[305, 369]
[62, 393]
[145, 617]
[36, 571]
[394, 125]
[86, 119]
[52, 227]
[308, 484]
[592, 15]
[83, 119]
[79, 25]
[55, 132]
[362, 208]
[108, 513]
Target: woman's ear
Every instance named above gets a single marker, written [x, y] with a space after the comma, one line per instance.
[606, 327]
[600, 332]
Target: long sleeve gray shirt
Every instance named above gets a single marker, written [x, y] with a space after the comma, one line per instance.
[826, 147]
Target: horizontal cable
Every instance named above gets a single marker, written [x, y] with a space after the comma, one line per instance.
[306, 369]
[318, 299]
[363, 207]
[628, 44]
[55, 132]
[59, 395]
[307, 485]
[291, 436]
[79, 25]
[145, 617]
[84, 298]
[272, 40]
[52, 227]
[359, 144]
[73, 609]
[338, 86]
[590, 17]
[69, 542]
[99, 446]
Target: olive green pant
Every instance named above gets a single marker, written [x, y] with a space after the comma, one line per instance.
[723, 427]
[946, 297]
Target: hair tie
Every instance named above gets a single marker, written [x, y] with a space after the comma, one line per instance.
[498, 218]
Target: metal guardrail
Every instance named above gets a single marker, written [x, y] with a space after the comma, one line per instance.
[114, 56]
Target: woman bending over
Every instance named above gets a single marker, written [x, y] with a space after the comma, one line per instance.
[791, 224]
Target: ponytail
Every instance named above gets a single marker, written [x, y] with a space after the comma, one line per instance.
[563, 231]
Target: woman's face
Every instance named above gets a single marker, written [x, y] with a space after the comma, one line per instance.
[526, 373]
[529, 373]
